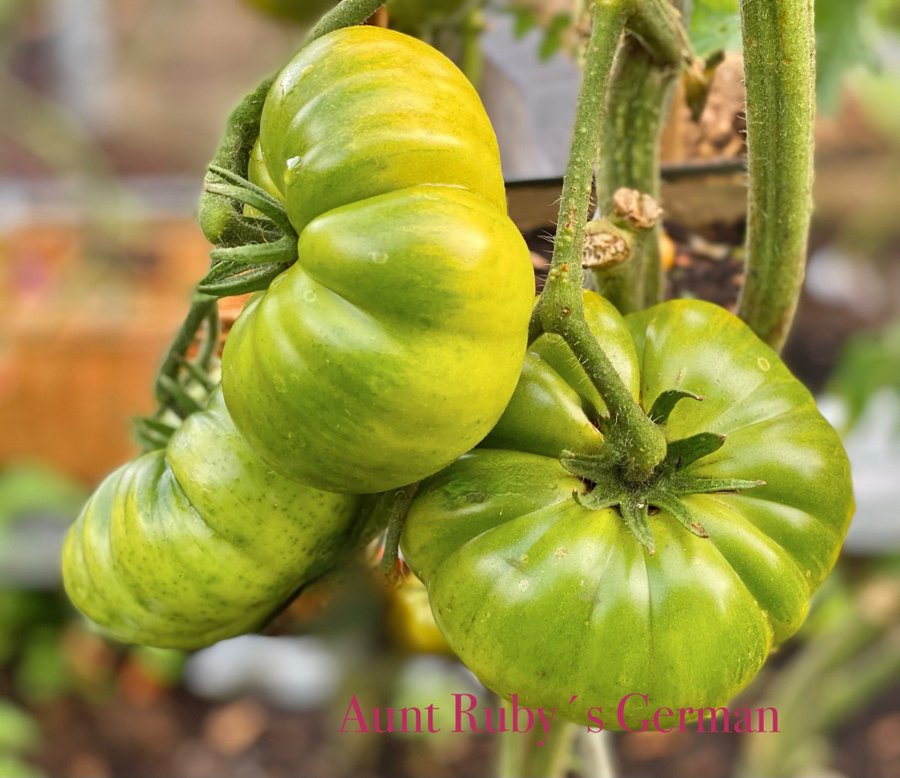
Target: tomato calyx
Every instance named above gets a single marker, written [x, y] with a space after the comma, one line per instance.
[253, 266]
[609, 487]
[664, 404]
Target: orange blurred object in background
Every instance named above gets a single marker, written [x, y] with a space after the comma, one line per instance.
[81, 341]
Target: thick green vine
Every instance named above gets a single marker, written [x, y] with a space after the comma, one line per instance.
[779, 69]
[641, 89]
[635, 441]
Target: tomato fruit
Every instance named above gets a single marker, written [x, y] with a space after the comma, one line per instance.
[409, 621]
[201, 541]
[525, 545]
[394, 343]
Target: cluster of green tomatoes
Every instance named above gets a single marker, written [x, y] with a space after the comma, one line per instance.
[395, 350]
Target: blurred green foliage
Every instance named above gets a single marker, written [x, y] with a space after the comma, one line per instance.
[870, 362]
[887, 12]
[846, 38]
[19, 736]
[12, 766]
[34, 489]
[715, 27]
[844, 658]
[18, 731]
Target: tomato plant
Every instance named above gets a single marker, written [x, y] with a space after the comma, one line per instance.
[621, 496]
[201, 541]
[395, 341]
[552, 574]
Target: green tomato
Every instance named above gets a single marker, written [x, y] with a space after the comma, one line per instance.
[538, 583]
[201, 541]
[395, 342]
[258, 174]
[409, 621]
[301, 11]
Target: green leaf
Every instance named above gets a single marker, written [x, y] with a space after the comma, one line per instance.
[844, 40]
[555, 36]
[869, 363]
[844, 37]
[715, 26]
[525, 21]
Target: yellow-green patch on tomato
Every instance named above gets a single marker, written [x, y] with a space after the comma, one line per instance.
[365, 111]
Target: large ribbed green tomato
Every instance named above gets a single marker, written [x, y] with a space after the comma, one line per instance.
[533, 574]
[201, 541]
[394, 343]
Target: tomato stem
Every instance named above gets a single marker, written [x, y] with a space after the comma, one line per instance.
[645, 72]
[779, 70]
[395, 507]
[200, 312]
[346, 14]
[177, 374]
[471, 59]
[560, 309]
[520, 756]
[221, 218]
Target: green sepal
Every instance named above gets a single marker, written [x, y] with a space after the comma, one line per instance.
[666, 402]
[680, 513]
[688, 485]
[230, 277]
[588, 466]
[221, 218]
[244, 191]
[597, 499]
[636, 516]
[282, 251]
[686, 451]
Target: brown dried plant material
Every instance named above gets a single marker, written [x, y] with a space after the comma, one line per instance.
[605, 245]
[640, 210]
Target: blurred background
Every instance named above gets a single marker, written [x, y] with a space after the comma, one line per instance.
[110, 113]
